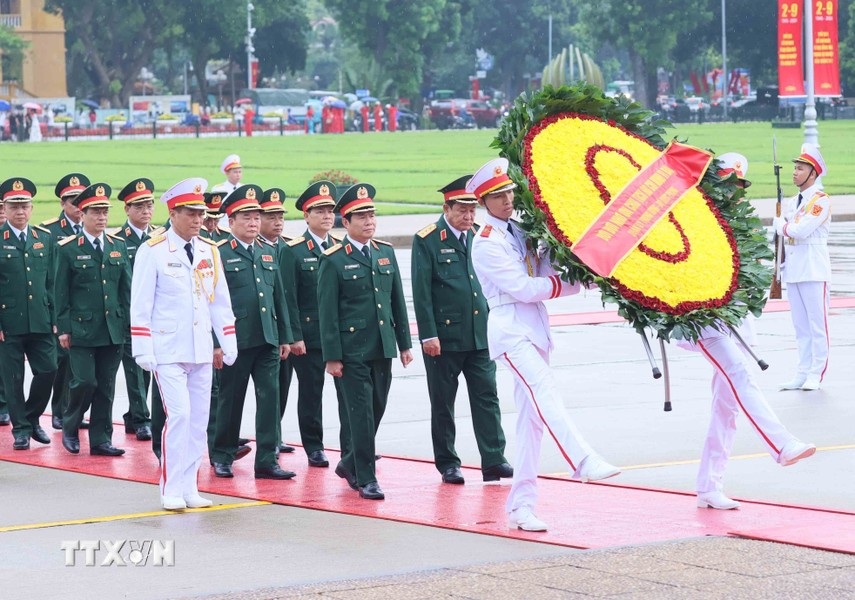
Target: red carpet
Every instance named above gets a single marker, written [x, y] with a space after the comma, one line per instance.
[579, 515]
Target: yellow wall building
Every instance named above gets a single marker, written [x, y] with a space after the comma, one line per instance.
[43, 70]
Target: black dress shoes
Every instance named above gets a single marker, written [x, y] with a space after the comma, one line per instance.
[242, 451]
[273, 472]
[22, 442]
[84, 424]
[342, 472]
[5, 419]
[105, 449]
[318, 459]
[72, 444]
[39, 435]
[372, 491]
[497, 472]
[453, 475]
[243, 441]
[285, 448]
[143, 433]
[223, 470]
[56, 422]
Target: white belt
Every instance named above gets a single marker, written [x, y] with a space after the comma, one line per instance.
[806, 242]
[501, 300]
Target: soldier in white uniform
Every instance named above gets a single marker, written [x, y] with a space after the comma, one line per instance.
[807, 267]
[234, 171]
[734, 388]
[515, 280]
[178, 297]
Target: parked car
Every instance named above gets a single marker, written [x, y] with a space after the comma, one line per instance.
[407, 119]
[469, 112]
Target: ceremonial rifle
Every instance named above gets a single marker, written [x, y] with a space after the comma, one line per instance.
[775, 288]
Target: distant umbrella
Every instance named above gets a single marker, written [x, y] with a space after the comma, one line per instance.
[89, 103]
[4, 106]
[33, 106]
[243, 101]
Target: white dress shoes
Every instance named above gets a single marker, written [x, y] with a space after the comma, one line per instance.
[523, 518]
[811, 384]
[716, 499]
[794, 451]
[795, 383]
[197, 501]
[173, 503]
[594, 468]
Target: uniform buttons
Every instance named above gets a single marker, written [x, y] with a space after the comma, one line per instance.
[308, 319]
[448, 321]
[379, 306]
[352, 330]
[28, 268]
[29, 283]
[261, 294]
[311, 268]
[373, 273]
[263, 309]
[475, 294]
[26, 255]
[254, 266]
[381, 321]
[103, 281]
[106, 312]
[236, 269]
[30, 297]
[3, 306]
[105, 296]
[354, 276]
[476, 312]
[471, 277]
[257, 280]
[448, 260]
[376, 290]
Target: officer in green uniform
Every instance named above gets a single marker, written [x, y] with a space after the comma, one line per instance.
[210, 226]
[263, 338]
[363, 316]
[299, 260]
[4, 411]
[27, 312]
[138, 198]
[451, 313]
[93, 287]
[270, 233]
[66, 224]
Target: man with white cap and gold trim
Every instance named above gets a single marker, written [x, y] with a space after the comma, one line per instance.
[804, 226]
[179, 296]
[234, 171]
[515, 280]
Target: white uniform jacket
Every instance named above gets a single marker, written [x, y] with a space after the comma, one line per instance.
[806, 237]
[515, 282]
[175, 305]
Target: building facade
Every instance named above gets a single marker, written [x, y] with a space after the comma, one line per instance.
[42, 72]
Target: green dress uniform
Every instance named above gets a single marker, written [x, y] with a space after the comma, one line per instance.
[261, 326]
[93, 288]
[217, 235]
[450, 306]
[60, 228]
[363, 322]
[27, 314]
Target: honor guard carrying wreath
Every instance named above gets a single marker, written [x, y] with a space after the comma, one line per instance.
[516, 279]
[451, 313]
[179, 297]
[805, 226]
[363, 325]
[27, 313]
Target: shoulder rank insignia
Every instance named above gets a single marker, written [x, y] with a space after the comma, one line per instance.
[207, 240]
[50, 222]
[40, 228]
[155, 232]
[262, 240]
[332, 249]
[382, 242]
[296, 241]
[424, 231]
[217, 244]
[67, 240]
[156, 240]
[335, 239]
[485, 231]
[113, 231]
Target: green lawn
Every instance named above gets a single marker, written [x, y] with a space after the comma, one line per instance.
[406, 168]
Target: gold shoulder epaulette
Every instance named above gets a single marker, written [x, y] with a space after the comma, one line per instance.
[335, 239]
[113, 231]
[381, 242]
[159, 231]
[423, 233]
[49, 222]
[208, 241]
[217, 244]
[67, 240]
[156, 240]
[332, 249]
[40, 228]
[296, 241]
[264, 241]
[114, 237]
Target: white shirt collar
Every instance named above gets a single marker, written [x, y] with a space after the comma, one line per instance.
[17, 232]
[92, 238]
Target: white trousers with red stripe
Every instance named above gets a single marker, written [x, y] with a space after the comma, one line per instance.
[733, 389]
[186, 392]
[539, 404]
[809, 310]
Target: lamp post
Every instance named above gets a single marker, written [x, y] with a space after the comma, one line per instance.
[725, 80]
[187, 66]
[220, 79]
[811, 134]
[145, 77]
[250, 31]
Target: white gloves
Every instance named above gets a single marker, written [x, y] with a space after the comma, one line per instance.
[229, 359]
[778, 225]
[146, 362]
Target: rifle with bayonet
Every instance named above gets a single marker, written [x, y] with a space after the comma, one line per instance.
[775, 288]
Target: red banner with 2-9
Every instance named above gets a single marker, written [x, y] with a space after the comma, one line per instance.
[826, 57]
[790, 72]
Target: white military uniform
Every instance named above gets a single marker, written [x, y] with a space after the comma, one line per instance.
[515, 281]
[230, 162]
[174, 307]
[733, 388]
[807, 272]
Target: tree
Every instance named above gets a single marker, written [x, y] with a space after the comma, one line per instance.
[12, 50]
[646, 29]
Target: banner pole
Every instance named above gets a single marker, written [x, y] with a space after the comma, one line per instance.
[811, 135]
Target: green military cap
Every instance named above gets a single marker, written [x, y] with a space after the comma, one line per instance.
[17, 189]
[242, 199]
[96, 195]
[272, 199]
[320, 193]
[139, 190]
[71, 185]
[357, 198]
[456, 191]
[214, 203]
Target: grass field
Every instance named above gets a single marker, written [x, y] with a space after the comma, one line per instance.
[406, 168]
